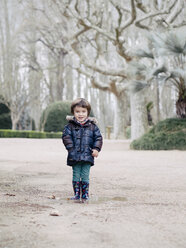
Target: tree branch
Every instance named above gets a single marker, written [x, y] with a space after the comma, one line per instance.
[132, 17]
[108, 72]
[179, 25]
[119, 40]
[85, 29]
[89, 25]
[177, 10]
[119, 7]
[94, 67]
[163, 12]
[141, 6]
[111, 86]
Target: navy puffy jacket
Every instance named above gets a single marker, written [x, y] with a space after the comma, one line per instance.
[79, 140]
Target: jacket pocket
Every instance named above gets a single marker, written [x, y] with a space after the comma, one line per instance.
[71, 154]
[89, 151]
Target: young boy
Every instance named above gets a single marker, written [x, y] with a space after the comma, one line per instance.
[83, 140]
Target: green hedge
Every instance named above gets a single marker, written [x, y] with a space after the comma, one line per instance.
[169, 134]
[5, 133]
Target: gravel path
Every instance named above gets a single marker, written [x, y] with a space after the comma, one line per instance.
[138, 198]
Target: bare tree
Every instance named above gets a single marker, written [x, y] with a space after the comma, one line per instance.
[115, 27]
[13, 86]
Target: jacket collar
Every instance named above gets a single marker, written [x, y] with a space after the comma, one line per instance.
[72, 119]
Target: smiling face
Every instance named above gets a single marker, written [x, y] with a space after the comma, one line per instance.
[80, 113]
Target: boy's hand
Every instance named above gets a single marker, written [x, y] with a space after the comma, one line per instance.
[95, 153]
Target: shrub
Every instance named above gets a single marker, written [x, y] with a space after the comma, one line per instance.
[5, 119]
[54, 116]
[166, 135]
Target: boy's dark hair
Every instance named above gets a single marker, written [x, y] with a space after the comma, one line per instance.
[81, 102]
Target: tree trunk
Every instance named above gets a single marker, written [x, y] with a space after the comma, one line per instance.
[14, 125]
[102, 111]
[139, 121]
[157, 101]
[78, 84]
[69, 79]
[120, 117]
[60, 81]
[14, 119]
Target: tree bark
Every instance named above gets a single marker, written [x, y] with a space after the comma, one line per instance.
[60, 80]
[139, 120]
[120, 117]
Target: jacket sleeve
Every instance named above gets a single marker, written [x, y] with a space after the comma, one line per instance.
[98, 139]
[67, 137]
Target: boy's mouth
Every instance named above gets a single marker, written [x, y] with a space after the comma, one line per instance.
[81, 118]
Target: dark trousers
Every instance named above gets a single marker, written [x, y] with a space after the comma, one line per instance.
[81, 171]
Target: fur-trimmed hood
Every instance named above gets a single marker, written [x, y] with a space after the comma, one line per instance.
[92, 119]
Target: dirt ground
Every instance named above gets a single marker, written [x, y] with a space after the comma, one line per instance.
[138, 198]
